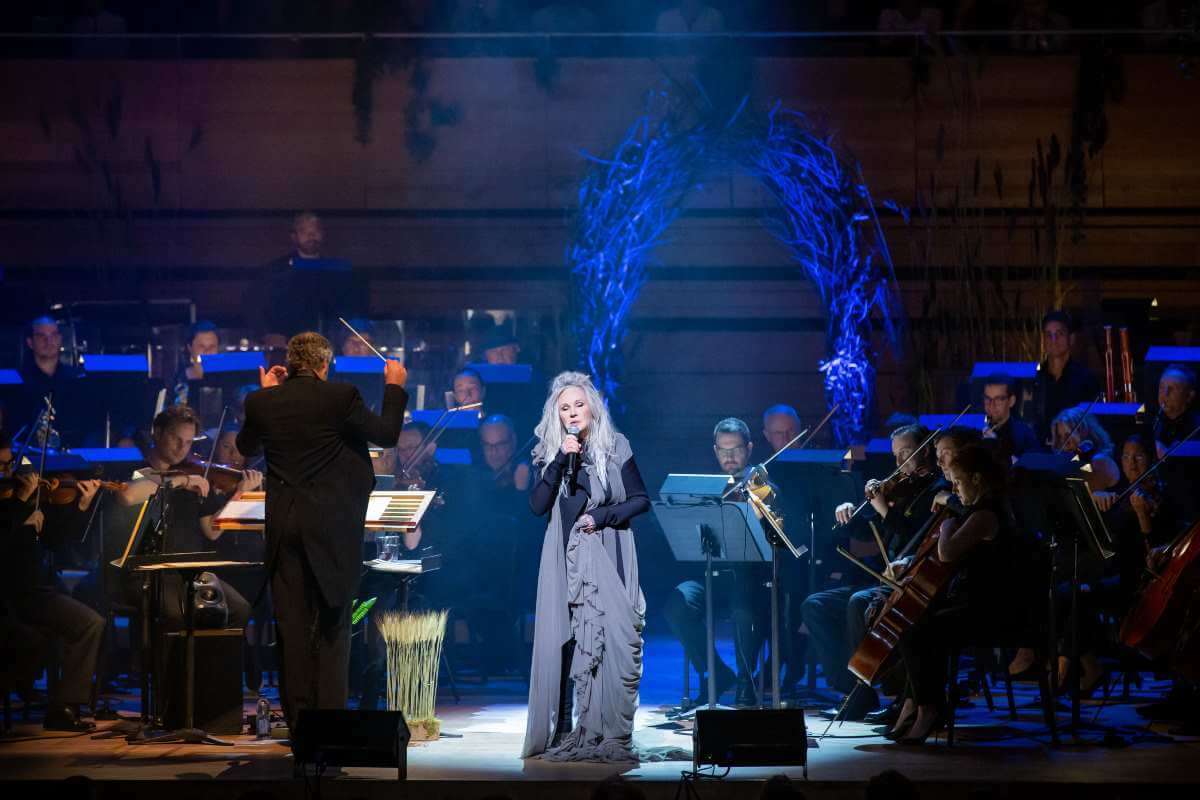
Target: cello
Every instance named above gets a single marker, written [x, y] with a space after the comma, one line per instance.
[1163, 620]
[914, 590]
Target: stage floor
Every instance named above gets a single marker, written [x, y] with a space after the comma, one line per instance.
[477, 757]
[482, 734]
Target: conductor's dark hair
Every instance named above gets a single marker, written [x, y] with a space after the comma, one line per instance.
[308, 351]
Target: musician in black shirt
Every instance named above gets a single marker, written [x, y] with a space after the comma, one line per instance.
[1013, 437]
[190, 506]
[1062, 382]
[1176, 415]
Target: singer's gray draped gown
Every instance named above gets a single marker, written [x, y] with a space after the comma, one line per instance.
[588, 591]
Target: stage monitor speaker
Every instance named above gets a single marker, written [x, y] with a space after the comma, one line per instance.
[757, 737]
[346, 738]
[218, 677]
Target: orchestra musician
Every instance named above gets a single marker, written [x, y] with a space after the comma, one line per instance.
[29, 598]
[982, 547]
[190, 505]
[738, 590]
[781, 424]
[1061, 382]
[43, 374]
[202, 341]
[835, 617]
[314, 435]
[1014, 438]
[1177, 416]
[1080, 435]
[468, 387]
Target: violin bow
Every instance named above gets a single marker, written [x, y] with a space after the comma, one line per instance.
[435, 432]
[1078, 422]
[811, 435]
[44, 424]
[904, 463]
[212, 452]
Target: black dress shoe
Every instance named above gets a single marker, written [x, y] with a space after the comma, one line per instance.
[884, 716]
[64, 718]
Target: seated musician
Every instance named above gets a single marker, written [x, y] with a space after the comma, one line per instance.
[43, 373]
[191, 504]
[202, 341]
[352, 345]
[1177, 416]
[1014, 438]
[1146, 519]
[781, 424]
[468, 387]
[1081, 436]
[981, 546]
[740, 591]
[835, 618]
[28, 598]
[498, 443]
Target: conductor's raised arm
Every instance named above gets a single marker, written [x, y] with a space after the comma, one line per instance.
[382, 429]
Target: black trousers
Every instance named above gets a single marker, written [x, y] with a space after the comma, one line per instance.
[312, 638]
[744, 599]
[80, 629]
[836, 622]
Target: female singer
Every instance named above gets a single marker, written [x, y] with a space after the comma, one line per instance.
[590, 610]
[981, 543]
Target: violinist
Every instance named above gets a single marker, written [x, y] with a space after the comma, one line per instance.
[738, 591]
[29, 596]
[981, 545]
[1013, 437]
[498, 442]
[416, 465]
[1082, 437]
[835, 618]
[190, 505]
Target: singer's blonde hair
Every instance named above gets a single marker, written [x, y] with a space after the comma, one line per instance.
[599, 447]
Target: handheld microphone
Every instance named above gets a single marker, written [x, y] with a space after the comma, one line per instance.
[572, 458]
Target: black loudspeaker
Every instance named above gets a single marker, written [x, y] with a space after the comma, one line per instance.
[341, 737]
[757, 737]
[218, 681]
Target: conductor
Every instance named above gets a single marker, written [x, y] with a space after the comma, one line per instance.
[319, 478]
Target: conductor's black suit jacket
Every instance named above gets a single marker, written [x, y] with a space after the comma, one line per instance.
[319, 474]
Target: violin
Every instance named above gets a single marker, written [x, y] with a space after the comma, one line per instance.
[58, 490]
[222, 477]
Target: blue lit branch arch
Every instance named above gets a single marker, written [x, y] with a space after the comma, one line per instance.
[825, 217]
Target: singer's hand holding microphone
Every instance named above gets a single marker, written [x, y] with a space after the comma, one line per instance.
[573, 448]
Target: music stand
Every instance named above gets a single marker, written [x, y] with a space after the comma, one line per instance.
[700, 527]
[1053, 496]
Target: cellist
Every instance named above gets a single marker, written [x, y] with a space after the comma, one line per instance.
[981, 545]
